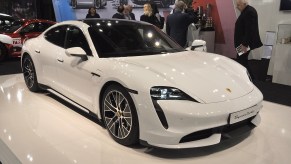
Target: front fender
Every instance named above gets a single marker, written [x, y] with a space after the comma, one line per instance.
[6, 39]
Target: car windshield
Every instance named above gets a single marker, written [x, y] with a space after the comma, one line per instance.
[114, 38]
[15, 25]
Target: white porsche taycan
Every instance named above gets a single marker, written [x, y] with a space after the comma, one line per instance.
[142, 85]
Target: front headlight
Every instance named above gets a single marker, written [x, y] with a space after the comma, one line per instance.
[249, 76]
[169, 93]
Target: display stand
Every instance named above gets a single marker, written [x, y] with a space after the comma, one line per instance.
[281, 56]
[209, 37]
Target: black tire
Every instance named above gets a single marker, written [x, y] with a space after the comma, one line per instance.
[123, 2]
[29, 74]
[165, 4]
[119, 115]
[98, 4]
[3, 52]
[74, 4]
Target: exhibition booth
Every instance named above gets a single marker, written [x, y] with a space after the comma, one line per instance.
[153, 101]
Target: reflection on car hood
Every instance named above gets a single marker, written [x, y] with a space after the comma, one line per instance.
[5, 39]
[207, 77]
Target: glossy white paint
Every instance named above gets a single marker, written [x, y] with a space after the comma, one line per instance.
[37, 128]
[87, 3]
[5, 39]
[220, 85]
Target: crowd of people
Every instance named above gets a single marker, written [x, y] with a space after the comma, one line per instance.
[177, 23]
[246, 35]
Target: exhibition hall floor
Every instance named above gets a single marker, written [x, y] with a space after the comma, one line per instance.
[39, 128]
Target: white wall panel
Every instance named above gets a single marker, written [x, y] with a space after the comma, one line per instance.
[269, 15]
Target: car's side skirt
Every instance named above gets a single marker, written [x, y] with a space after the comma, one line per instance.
[68, 100]
[54, 92]
[75, 104]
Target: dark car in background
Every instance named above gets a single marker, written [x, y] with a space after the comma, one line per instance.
[5, 20]
[140, 3]
[88, 3]
[14, 35]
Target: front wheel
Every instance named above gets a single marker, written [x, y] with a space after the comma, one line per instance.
[74, 4]
[98, 4]
[3, 52]
[29, 74]
[119, 115]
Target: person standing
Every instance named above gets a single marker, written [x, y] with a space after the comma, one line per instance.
[92, 13]
[119, 14]
[178, 22]
[159, 18]
[127, 13]
[131, 14]
[246, 33]
[148, 15]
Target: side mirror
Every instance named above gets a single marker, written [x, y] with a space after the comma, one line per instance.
[199, 45]
[22, 33]
[78, 52]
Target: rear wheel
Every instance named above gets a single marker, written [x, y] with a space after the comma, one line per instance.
[98, 4]
[3, 52]
[29, 74]
[74, 3]
[119, 115]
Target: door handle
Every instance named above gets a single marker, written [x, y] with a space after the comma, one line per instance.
[37, 51]
[60, 60]
[95, 74]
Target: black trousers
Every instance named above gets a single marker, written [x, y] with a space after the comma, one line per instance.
[243, 60]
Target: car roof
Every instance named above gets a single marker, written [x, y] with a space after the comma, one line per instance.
[6, 16]
[36, 20]
[90, 20]
[104, 20]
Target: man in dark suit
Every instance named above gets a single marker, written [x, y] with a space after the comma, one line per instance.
[131, 14]
[246, 35]
[119, 14]
[127, 12]
[178, 22]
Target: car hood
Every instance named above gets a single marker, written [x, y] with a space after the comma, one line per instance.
[4, 38]
[206, 77]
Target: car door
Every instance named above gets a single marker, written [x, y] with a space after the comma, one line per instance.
[29, 31]
[49, 47]
[76, 74]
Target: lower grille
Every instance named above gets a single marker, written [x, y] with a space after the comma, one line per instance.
[227, 131]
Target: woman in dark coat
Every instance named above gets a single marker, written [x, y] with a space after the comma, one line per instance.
[92, 13]
[148, 15]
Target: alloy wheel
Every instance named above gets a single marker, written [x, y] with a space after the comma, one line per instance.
[117, 114]
[28, 71]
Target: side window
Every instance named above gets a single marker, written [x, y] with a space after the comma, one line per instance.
[41, 27]
[28, 28]
[76, 38]
[7, 22]
[56, 35]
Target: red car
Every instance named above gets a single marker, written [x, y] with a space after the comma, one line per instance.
[12, 38]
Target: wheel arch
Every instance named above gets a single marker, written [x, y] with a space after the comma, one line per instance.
[23, 56]
[102, 90]
[35, 63]
[135, 132]
[104, 87]
[5, 51]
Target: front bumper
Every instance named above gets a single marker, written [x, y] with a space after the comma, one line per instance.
[193, 124]
[13, 51]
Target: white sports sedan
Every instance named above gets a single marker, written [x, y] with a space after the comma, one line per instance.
[87, 3]
[142, 85]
